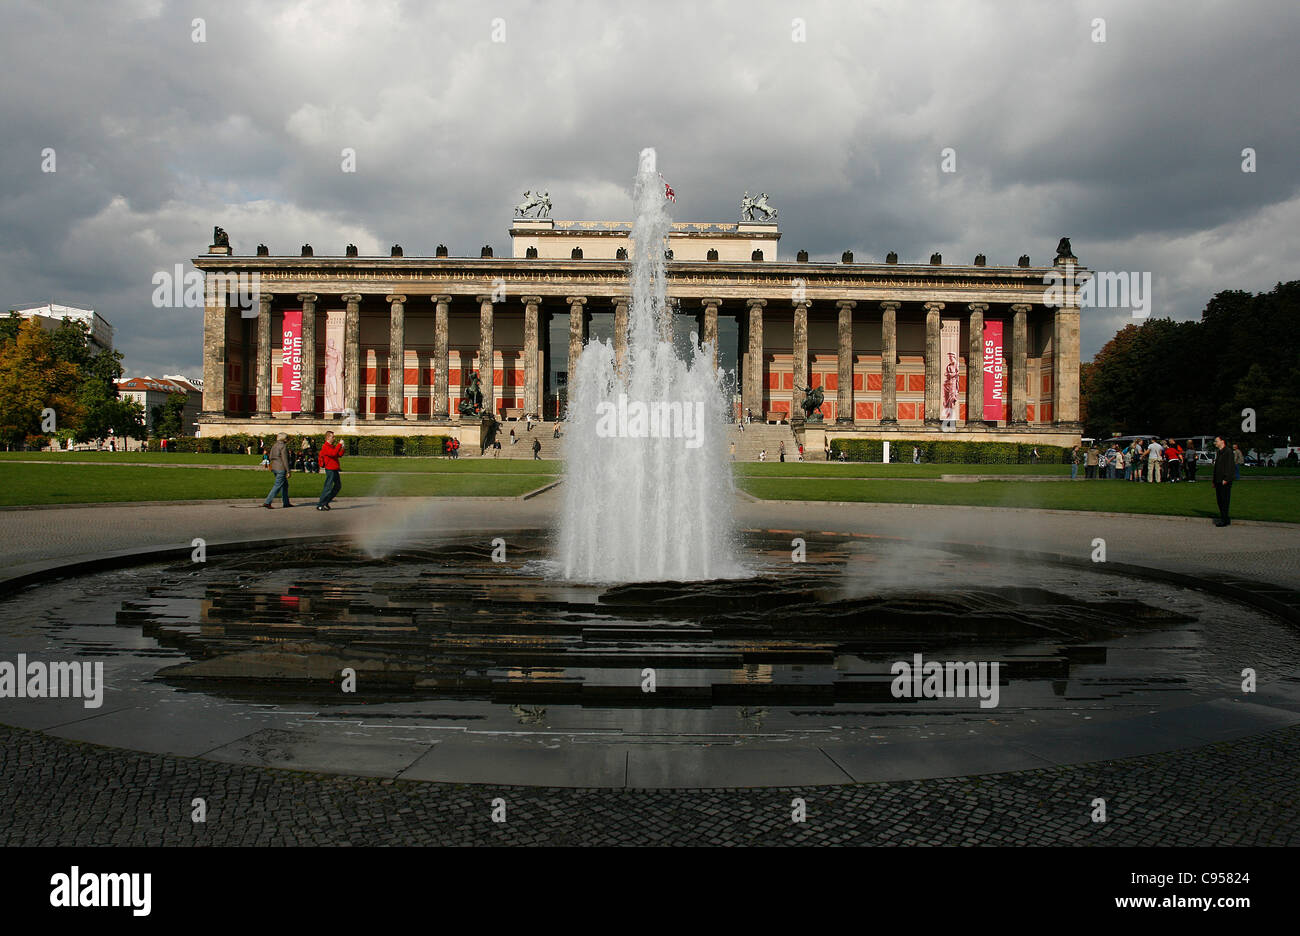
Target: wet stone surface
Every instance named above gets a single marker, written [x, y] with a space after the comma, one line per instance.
[441, 636]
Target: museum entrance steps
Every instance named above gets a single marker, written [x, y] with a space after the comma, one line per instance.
[544, 432]
[758, 437]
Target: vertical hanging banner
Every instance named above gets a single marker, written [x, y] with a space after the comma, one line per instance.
[334, 361]
[291, 362]
[995, 372]
[950, 356]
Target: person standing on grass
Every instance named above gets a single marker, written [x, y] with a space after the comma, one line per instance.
[733, 450]
[1090, 462]
[1074, 463]
[1120, 468]
[1224, 469]
[330, 453]
[1155, 459]
[537, 449]
[1189, 462]
[1237, 459]
[278, 461]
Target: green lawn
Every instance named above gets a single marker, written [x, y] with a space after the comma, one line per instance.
[122, 477]
[386, 464]
[1265, 500]
[87, 484]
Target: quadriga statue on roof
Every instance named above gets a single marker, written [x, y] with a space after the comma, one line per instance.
[537, 202]
[750, 207]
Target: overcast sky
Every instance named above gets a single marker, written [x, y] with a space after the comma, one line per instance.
[1131, 146]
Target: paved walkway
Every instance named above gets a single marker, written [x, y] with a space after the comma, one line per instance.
[1252, 549]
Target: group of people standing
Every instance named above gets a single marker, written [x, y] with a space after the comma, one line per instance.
[1162, 461]
[1150, 460]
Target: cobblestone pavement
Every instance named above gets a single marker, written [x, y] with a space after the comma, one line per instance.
[55, 792]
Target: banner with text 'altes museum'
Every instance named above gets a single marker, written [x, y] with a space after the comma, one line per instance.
[950, 356]
[995, 372]
[291, 362]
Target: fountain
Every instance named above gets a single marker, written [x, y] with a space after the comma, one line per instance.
[648, 491]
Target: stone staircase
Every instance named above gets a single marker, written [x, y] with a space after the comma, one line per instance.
[759, 436]
[544, 431]
[755, 438]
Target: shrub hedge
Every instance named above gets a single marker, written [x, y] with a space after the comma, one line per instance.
[243, 444]
[951, 453]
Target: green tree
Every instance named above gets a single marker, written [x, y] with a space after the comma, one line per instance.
[33, 381]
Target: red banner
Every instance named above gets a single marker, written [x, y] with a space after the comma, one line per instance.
[291, 361]
[995, 372]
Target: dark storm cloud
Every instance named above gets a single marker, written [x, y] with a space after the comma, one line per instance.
[1132, 146]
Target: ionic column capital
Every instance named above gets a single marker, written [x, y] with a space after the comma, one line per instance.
[307, 297]
[1021, 307]
[351, 297]
[978, 306]
[576, 300]
[756, 303]
[710, 302]
[440, 300]
[801, 303]
[531, 300]
[484, 300]
[891, 306]
[934, 306]
[849, 304]
[395, 299]
[265, 298]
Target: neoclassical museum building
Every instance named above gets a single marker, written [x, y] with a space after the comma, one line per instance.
[899, 350]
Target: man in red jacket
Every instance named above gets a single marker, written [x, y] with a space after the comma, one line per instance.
[330, 453]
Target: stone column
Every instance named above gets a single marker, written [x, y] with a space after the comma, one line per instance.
[486, 355]
[1019, 365]
[889, 363]
[214, 352]
[800, 355]
[844, 358]
[308, 301]
[352, 356]
[396, 357]
[620, 329]
[933, 364]
[532, 403]
[710, 334]
[264, 355]
[1065, 356]
[442, 305]
[975, 365]
[752, 397]
[577, 332]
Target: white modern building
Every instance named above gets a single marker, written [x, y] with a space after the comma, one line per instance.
[51, 316]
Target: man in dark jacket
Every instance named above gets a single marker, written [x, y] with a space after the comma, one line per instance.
[1224, 468]
[280, 463]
